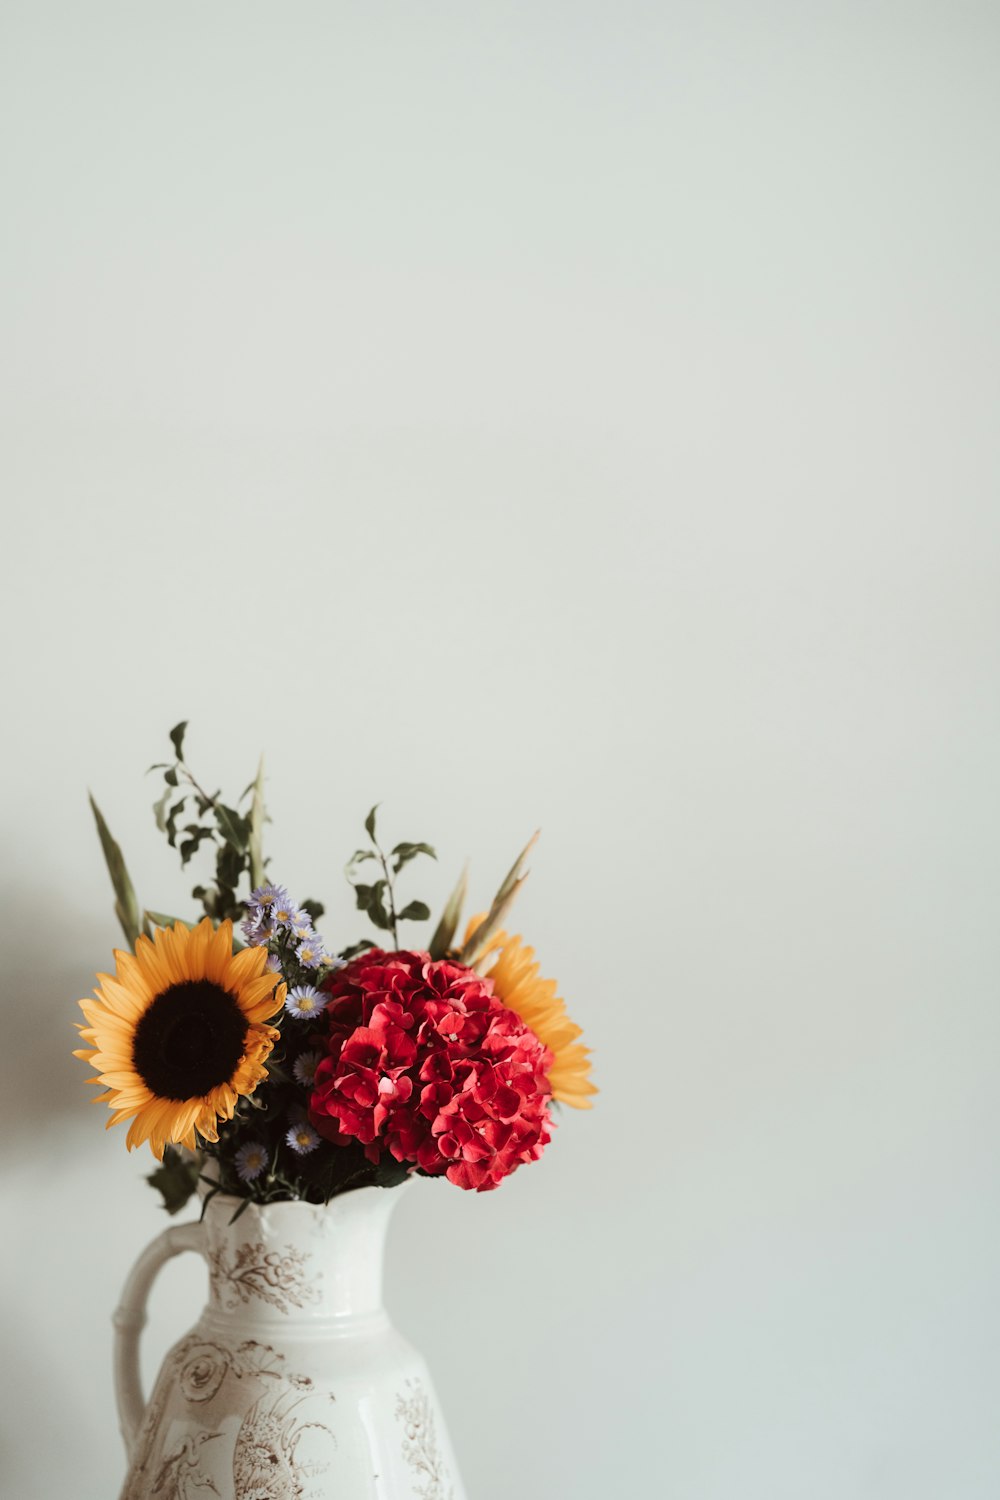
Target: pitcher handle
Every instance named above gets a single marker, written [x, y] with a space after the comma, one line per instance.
[130, 1319]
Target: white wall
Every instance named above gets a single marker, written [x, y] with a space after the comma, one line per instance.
[553, 414]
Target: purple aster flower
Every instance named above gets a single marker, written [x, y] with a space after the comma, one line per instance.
[267, 895]
[258, 934]
[311, 952]
[274, 963]
[283, 911]
[251, 1160]
[305, 1001]
[302, 1138]
[301, 925]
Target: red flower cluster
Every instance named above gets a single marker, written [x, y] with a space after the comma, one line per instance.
[425, 1062]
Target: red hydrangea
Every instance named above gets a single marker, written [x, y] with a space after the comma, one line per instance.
[424, 1062]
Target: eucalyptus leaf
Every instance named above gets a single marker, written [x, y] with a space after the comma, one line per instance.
[177, 738]
[160, 811]
[403, 853]
[170, 822]
[234, 828]
[228, 865]
[363, 896]
[376, 908]
[414, 911]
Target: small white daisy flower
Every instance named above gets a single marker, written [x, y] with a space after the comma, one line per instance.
[302, 1138]
[310, 952]
[304, 1001]
[304, 1068]
[251, 1160]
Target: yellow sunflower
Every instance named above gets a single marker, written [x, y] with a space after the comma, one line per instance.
[177, 1035]
[518, 984]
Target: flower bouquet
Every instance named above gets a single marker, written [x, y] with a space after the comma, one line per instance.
[278, 1068]
[289, 1081]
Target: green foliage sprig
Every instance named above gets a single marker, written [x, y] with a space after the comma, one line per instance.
[236, 837]
[378, 900]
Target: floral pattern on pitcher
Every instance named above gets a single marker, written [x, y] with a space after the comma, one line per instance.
[265, 1462]
[278, 1278]
[420, 1444]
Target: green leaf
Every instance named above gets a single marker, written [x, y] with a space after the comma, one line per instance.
[363, 896]
[414, 911]
[228, 866]
[176, 1179]
[160, 811]
[170, 822]
[161, 919]
[370, 821]
[126, 905]
[358, 858]
[256, 835]
[234, 829]
[444, 933]
[314, 908]
[170, 776]
[370, 900]
[352, 952]
[177, 738]
[389, 1172]
[405, 852]
[189, 847]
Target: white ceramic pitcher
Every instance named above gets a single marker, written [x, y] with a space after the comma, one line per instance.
[293, 1384]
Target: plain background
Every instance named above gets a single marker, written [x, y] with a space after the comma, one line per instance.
[568, 415]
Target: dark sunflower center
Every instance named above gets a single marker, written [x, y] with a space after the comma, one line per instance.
[189, 1040]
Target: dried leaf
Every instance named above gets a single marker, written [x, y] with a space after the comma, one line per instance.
[444, 933]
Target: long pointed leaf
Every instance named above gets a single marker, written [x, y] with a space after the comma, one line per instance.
[444, 933]
[502, 903]
[162, 919]
[516, 869]
[490, 924]
[257, 830]
[126, 905]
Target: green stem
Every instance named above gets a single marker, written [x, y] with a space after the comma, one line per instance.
[388, 886]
